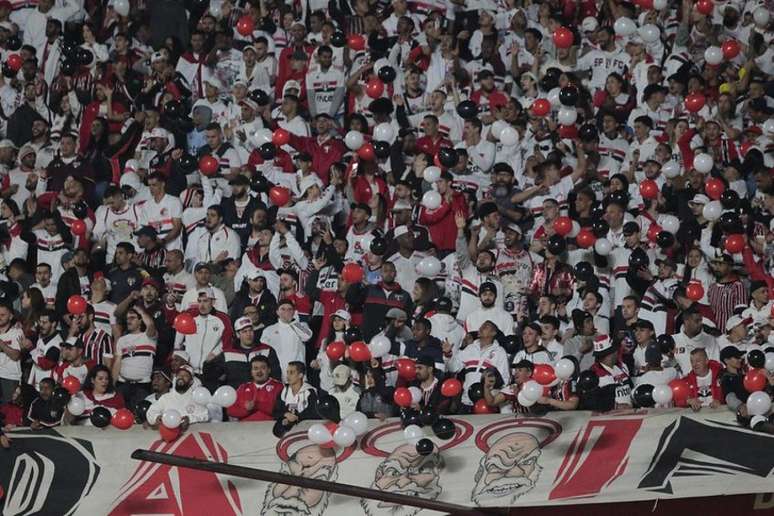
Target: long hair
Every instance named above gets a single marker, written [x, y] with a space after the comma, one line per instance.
[89, 383]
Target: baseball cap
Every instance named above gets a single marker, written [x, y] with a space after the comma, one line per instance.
[443, 304]
[242, 323]
[725, 258]
[756, 284]
[183, 355]
[7, 144]
[630, 228]
[669, 262]
[151, 282]
[400, 231]
[699, 199]
[514, 227]
[524, 364]
[164, 372]
[733, 322]
[147, 231]
[185, 367]
[206, 291]
[341, 374]
[603, 346]
[425, 360]
[730, 351]
[342, 314]
[202, 265]
[396, 313]
[160, 132]
[644, 324]
[487, 286]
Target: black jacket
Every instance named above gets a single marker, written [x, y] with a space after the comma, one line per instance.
[240, 224]
[69, 285]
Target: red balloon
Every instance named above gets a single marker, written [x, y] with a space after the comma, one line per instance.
[375, 88]
[184, 323]
[680, 392]
[568, 131]
[123, 419]
[745, 148]
[14, 62]
[649, 189]
[755, 380]
[585, 238]
[694, 102]
[714, 188]
[335, 350]
[730, 48]
[209, 165]
[359, 352]
[563, 226]
[352, 273]
[402, 397]
[451, 387]
[563, 37]
[541, 107]
[78, 228]
[543, 374]
[407, 369]
[705, 7]
[245, 25]
[482, 408]
[71, 384]
[356, 42]
[694, 291]
[280, 137]
[169, 434]
[76, 305]
[734, 243]
[366, 152]
[646, 4]
[279, 196]
[653, 232]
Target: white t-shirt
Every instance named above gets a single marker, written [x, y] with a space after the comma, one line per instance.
[11, 369]
[137, 351]
[704, 385]
[117, 227]
[160, 216]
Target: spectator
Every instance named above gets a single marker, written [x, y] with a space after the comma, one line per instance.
[99, 391]
[180, 399]
[287, 337]
[43, 413]
[238, 359]
[134, 357]
[704, 381]
[344, 390]
[260, 393]
[298, 399]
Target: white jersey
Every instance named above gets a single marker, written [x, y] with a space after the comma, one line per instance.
[44, 357]
[160, 215]
[49, 292]
[684, 345]
[117, 227]
[137, 351]
[178, 284]
[602, 63]
[358, 244]
[104, 315]
[50, 248]
[11, 369]
[323, 87]
[209, 246]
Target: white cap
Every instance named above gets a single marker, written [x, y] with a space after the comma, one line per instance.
[7, 144]
[400, 230]
[342, 314]
[309, 181]
[589, 24]
[291, 85]
[206, 291]
[131, 179]
[243, 323]
[700, 199]
[160, 132]
[182, 354]
[341, 374]
[214, 82]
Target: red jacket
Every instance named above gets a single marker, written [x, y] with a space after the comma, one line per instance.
[228, 327]
[324, 154]
[717, 391]
[440, 221]
[430, 146]
[263, 396]
[281, 160]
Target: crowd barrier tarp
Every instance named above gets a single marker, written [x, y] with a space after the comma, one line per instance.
[642, 458]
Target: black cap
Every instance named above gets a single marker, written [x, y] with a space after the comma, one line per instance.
[524, 364]
[487, 286]
[147, 231]
[645, 324]
[304, 156]
[666, 261]
[239, 180]
[653, 355]
[630, 228]
[730, 352]
[426, 360]
[443, 304]
[725, 258]
[756, 284]
[362, 206]
[483, 74]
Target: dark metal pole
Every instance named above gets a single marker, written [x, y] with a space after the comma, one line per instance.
[309, 483]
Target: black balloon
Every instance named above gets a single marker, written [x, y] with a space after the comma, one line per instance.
[339, 39]
[428, 416]
[173, 108]
[7, 72]
[268, 151]
[425, 447]
[448, 157]
[84, 56]
[378, 246]
[666, 343]
[328, 408]
[467, 109]
[259, 184]
[81, 210]
[381, 149]
[588, 381]
[588, 132]
[13, 43]
[387, 74]
[260, 97]
[756, 358]
[70, 48]
[188, 163]
[638, 258]
[729, 199]
[476, 392]
[60, 397]
[444, 429]
[619, 197]
[584, 271]
[665, 239]
[410, 417]
[352, 334]
[731, 223]
[568, 96]
[100, 417]
[141, 411]
[556, 245]
[600, 228]
[643, 396]
[67, 68]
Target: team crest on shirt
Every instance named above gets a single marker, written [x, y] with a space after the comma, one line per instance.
[164, 211]
[131, 281]
[269, 388]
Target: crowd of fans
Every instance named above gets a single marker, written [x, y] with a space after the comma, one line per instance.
[348, 198]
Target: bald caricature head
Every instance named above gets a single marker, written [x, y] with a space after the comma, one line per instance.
[308, 462]
[509, 469]
[405, 472]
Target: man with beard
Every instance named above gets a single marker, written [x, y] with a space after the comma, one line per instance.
[405, 472]
[180, 399]
[117, 220]
[475, 269]
[148, 298]
[239, 359]
[727, 292]
[489, 311]
[254, 292]
[135, 351]
[377, 300]
[238, 209]
[218, 243]
[509, 469]
[514, 268]
[124, 277]
[259, 393]
[311, 461]
[176, 279]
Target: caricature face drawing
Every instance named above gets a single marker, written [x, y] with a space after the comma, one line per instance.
[308, 462]
[508, 470]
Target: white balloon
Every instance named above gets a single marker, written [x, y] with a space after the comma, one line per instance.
[712, 210]
[76, 406]
[624, 26]
[171, 418]
[532, 390]
[497, 127]
[662, 394]
[216, 11]
[201, 396]
[567, 115]
[121, 7]
[564, 369]
[357, 421]
[659, 5]
[344, 436]
[553, 97]
[416, 394]
[603, 247]
[225, 396]
[761, 16]
[649, 33]
[669, 223]
[379, 346]
[413, 434]
[713, 55]
[431, 200]
[318, 434]
[770, 362]
[670, 169]
[575, 229]
[758, 403]
[431, 174]
[384, 132]
[263, 136]
[768, 126]
[353, 140]
[509, 136]
[429, 266]
[524, 401]
[703, 162]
